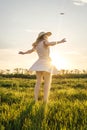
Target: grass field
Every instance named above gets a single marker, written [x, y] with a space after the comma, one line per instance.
[66, 109]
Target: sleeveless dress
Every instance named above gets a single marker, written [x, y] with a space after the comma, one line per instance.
[44, 62]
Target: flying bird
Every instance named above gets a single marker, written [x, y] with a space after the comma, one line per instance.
[61, 13]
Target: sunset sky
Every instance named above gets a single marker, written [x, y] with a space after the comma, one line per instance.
[22, 20]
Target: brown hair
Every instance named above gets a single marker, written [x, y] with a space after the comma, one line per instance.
[37, 41]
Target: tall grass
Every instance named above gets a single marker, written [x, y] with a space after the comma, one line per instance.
[66, 108]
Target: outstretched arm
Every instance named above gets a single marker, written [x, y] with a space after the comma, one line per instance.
[27, 52]
[54, 43]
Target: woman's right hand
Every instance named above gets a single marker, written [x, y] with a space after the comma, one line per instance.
[63, 40]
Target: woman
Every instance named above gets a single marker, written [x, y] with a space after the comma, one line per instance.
[43, 66]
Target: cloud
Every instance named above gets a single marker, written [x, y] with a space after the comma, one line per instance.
[79, 2]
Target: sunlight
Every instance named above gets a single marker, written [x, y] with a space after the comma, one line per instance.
[58, 61]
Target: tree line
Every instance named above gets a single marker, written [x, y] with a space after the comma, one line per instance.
[24, 73]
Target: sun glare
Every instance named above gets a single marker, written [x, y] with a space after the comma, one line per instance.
[58, 61]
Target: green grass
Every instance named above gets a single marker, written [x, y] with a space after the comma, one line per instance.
[66, 109]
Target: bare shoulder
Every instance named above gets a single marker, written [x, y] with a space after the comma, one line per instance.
[46, 43]
[33, 48]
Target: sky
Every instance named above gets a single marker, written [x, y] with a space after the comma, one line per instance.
[22, 20]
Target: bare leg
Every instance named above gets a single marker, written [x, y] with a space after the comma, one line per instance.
[38, 83]
[47, 85]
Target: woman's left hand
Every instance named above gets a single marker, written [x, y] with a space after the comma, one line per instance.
[21, 52]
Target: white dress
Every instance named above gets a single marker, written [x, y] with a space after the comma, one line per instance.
[44, 61]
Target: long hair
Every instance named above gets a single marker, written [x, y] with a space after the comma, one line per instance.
[37, 41]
